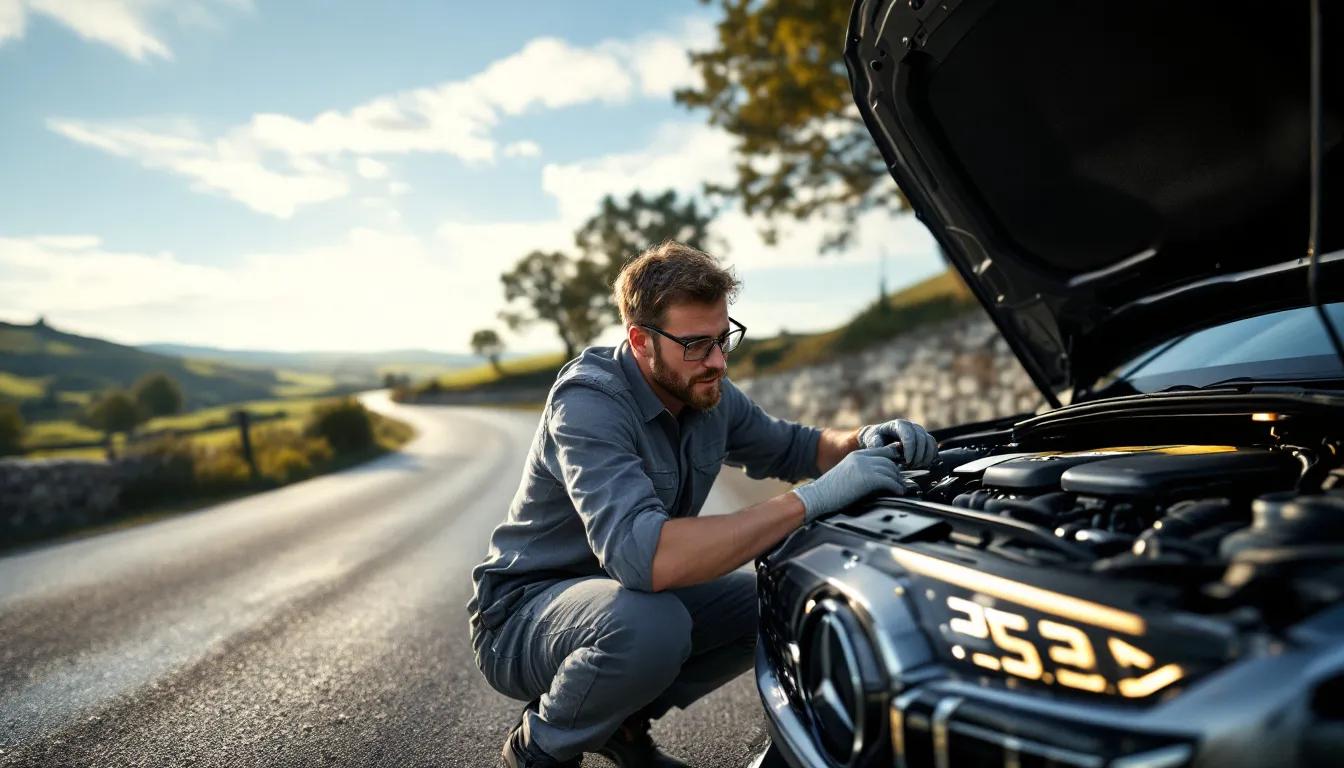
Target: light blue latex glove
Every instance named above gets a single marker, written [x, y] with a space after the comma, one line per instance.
[861, 473]
[918, 447]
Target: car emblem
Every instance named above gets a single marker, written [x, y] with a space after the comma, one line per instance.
[832, 680]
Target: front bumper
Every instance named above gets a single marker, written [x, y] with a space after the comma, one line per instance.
[789, 734]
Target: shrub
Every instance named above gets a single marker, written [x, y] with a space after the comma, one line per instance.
[12, 429]
[221, 470]
[345, 424]
[284, 464]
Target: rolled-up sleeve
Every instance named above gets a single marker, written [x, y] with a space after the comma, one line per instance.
[766, 446]
[593, 448]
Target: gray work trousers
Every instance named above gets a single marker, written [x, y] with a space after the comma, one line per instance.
[595, 653]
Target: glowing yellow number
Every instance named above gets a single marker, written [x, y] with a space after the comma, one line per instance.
[1077, 649]
[1029, 663]
[974, 623]
[1076, 652]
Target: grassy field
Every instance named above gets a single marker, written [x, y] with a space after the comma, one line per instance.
[19, 387]
[43, 433]
[481, 375]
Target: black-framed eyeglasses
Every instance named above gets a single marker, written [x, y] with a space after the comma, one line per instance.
[698, 348]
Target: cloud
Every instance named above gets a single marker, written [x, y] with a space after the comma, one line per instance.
[370, 168]
[370, 289]
[275, 163]
[522, 149]
[683, 156]
[122, 24]
[233, 165]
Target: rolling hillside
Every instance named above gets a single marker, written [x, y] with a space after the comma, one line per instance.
[52, 374]
[938, 298]
[344, 367]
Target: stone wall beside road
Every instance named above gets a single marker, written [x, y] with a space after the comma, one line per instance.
[956, 372]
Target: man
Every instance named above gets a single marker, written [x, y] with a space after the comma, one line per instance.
[605, 600]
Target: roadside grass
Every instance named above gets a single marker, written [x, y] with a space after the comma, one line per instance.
[196, 472]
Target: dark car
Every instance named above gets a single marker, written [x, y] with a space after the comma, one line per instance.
[1148, 572]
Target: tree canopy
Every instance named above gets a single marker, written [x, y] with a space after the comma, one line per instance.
[559, 290]
[486, 343]
[158, 394]
[776, 81]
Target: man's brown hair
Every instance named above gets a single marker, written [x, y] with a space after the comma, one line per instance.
[666, 274]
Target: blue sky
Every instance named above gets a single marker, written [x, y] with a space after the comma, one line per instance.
[313, 174]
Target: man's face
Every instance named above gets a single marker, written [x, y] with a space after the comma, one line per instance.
[698, 383]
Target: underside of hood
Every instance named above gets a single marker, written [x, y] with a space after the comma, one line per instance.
[1106, 175]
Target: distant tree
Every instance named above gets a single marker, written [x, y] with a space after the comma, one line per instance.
[621, 229]
[158, 394]
[486, 343]
[115, 411]
[12, 429]
[775, 80]
[392, 380]
[567, 293]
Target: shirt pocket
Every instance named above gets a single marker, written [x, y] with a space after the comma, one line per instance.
[665, 484]
[708, 458]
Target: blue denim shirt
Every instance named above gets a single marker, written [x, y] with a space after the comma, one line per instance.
[608, 466]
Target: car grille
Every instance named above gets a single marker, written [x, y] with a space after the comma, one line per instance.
[933, 730]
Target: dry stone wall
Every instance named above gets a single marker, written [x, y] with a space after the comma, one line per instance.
[953, 373]
[38, 496]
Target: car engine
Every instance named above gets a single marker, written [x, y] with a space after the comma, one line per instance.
[1063, 589]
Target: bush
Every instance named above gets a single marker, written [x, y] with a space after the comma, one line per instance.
[173, 475]
[345, 424]
[12, 429]
[222, 470]
[284, 464]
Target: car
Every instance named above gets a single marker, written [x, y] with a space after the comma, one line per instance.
[1147, 198]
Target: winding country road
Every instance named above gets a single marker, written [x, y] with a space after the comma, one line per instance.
[318, 624]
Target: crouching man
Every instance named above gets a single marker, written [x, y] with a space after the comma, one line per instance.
[605, 600]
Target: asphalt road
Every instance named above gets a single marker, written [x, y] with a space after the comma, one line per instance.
[319, 624]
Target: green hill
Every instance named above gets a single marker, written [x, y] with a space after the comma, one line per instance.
[353, 368]
[52, 374]
[938, 298]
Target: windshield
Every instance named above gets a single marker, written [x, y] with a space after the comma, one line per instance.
[1283, 345]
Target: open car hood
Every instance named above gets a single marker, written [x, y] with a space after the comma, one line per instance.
[1107, 175]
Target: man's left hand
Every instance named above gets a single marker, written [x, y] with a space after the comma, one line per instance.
[917, 445]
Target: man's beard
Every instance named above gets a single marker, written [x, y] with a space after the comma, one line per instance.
[684, 389]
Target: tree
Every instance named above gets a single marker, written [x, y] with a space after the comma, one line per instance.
[565, 292]
[620, 230]
[776, 81]
[12, 429]
[158, 394]
[115, 412]
[486, 343]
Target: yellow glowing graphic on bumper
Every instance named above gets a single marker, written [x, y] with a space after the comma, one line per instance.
[1060, 652]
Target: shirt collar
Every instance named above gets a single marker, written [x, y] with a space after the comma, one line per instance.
[649, 404]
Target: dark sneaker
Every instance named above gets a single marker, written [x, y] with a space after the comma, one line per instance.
[517, 753]
[631, 746]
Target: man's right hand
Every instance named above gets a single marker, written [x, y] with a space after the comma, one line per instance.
[862, 473]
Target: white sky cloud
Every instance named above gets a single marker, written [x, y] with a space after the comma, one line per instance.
[370, 168]
[122, 24]
[523, 148]
[232, 166]
[276, 163]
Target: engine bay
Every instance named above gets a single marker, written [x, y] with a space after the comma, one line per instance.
[1256, 520]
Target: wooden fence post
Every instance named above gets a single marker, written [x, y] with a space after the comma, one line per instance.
[245, 437]
[109, 446]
